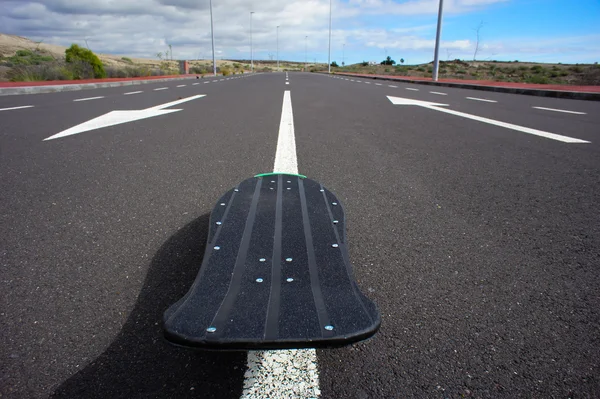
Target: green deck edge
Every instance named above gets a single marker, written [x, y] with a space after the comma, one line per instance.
[280, 173]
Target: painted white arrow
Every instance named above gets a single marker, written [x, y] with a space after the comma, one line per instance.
[118, 117]
[435, 106]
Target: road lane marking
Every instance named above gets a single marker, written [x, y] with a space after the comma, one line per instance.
[89, 98]
[132, 92]
[438, 93]
[287, 83]
[220, 80]
[377, 84]
[560, 110]
[194, 84]
[358, 81]
[117, 117]
[368, 83]
[481, 99]
[352, 80]
[262, 379]
[181, 85]
[410, 88]
[436, 107]
[208, 81]
[161, 88]
[395, 87]
[21, 107]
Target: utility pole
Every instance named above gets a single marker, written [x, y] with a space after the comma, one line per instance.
[277, 47]
[436, 56]
[212, 34]
[329, 53]
[251, 51]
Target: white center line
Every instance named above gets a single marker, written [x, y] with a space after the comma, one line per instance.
[89, 98]
[132, 92]
[395, 87]
[410, 88]
[181, 85]
[21, 107]
[263, 379]
[481, 99]
[560, 110]
[377, 84]
[287, 83]
[438, 93]
[161, 88]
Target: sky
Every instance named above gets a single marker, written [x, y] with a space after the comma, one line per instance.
[362, 30]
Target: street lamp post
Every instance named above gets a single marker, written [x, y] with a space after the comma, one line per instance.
[278, 48]
[436, 56]
[305, 51]
[251, 51]
[212, 33]
[329, 52]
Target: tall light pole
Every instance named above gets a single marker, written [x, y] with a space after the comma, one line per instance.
[277, 47]
[329, 53]
[251, 51]
[436, 56]
[212, 33]
[305, 51]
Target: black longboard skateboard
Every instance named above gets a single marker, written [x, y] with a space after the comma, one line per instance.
[276, 273]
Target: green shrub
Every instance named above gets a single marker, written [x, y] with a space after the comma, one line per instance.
[537, 69]
[576, 69]
[76, 53]
[537, 79]
[421, 69]
[522, 68]
[51, 71]
[461, 72]
[386, 70]
[443, 71]
[127, 60]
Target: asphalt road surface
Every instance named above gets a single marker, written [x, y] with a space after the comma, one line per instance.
[479, 242]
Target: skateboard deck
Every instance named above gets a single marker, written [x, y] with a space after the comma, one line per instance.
[275, 275]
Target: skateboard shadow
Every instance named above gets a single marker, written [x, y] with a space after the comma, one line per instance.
[140, 363]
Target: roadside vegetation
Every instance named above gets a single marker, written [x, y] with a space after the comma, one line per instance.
[498, 71]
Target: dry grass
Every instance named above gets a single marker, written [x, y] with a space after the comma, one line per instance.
[10, 44]
[519, 72]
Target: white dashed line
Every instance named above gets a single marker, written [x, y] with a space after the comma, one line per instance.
[208, 81]
[560, 110]
[377, 84]
[395, 87]
[263, 379]
[132, 92]
[161, 88]
[438, 93]
[89, 98]
[368, 83]
[352, 80]
[21, 107]
[481, 99]
[181, 85]
[287, 83]
[194, 84]
[220, 80]
[410, 88]
[358, 81]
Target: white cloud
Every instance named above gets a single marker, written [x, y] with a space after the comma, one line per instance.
[144, 27]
